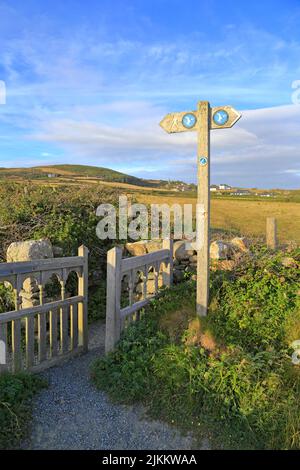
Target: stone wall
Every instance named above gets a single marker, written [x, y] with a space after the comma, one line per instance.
[224, 255]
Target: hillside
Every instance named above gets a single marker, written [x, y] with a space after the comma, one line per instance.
[77, 171]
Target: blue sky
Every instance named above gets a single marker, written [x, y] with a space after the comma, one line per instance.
[88, 82]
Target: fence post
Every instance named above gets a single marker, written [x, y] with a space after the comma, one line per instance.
[113, 298]
[271, 233]
[168, 270]
[3, 346]
[83, 306]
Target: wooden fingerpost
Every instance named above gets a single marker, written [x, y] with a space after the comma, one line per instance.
[113, 298]
[271, 233]
[203, 200]
[83, 306]
[202, 121]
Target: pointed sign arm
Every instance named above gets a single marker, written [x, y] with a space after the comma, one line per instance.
[172, 122]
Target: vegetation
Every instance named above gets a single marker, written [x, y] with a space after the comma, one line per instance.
[104, 174]
[242, 215]
[231, 372]
[64, 216]
[16, 392]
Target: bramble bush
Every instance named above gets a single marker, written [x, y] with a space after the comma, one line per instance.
[229, 374]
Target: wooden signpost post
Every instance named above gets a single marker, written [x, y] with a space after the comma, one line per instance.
[202, 121]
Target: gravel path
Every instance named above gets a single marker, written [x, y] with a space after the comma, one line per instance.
[72, 414]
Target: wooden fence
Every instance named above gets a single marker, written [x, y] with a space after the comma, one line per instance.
[117, 268]
[38, 337]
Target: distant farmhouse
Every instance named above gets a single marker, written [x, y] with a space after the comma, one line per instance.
[220, 187]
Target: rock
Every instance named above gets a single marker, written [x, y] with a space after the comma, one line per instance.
[181, 267]
[29, 250]
[29, 303]
[150, 286]
[136, 248]
[151, 276]
[180, 251]
[193, 259]
[58, 252]
[30, 285]
[27, 295]
[191, 269]
[220, 250]
[178, 276]
[289, 262]
[241, 243]
[153, 245]
[223, 265]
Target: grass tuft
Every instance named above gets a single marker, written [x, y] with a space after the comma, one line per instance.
[16, 393]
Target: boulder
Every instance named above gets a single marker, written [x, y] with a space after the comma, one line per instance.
[58, 252]
[241, 243]
[181, 252]
[178, 276]
[28, 303]
[30, 285]
[153, 245]
[220, 250]
[27, 295]
[136, 248]
[192, 268]
[29, 250]
[150, 286]
[223, 265]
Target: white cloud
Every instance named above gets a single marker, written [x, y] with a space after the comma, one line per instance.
[263, 145]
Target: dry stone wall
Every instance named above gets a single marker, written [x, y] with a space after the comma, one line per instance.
[223, 255]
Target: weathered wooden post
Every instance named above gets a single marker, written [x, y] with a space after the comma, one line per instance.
[271, 233]
[203, 200]
[113, 299]
[83, 306]
[3, 347]
[167, 271]
[202, 121]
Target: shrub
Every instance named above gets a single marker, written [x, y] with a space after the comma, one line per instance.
[16, 392]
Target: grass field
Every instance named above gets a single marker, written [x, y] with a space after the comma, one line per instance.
[247, 217]
[244, 215]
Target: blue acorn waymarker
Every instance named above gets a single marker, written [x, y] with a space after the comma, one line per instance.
[189, 120]
[203, 121]
[220, 117]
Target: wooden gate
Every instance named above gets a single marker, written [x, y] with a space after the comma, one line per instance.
[38, 337]
[117, 268]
